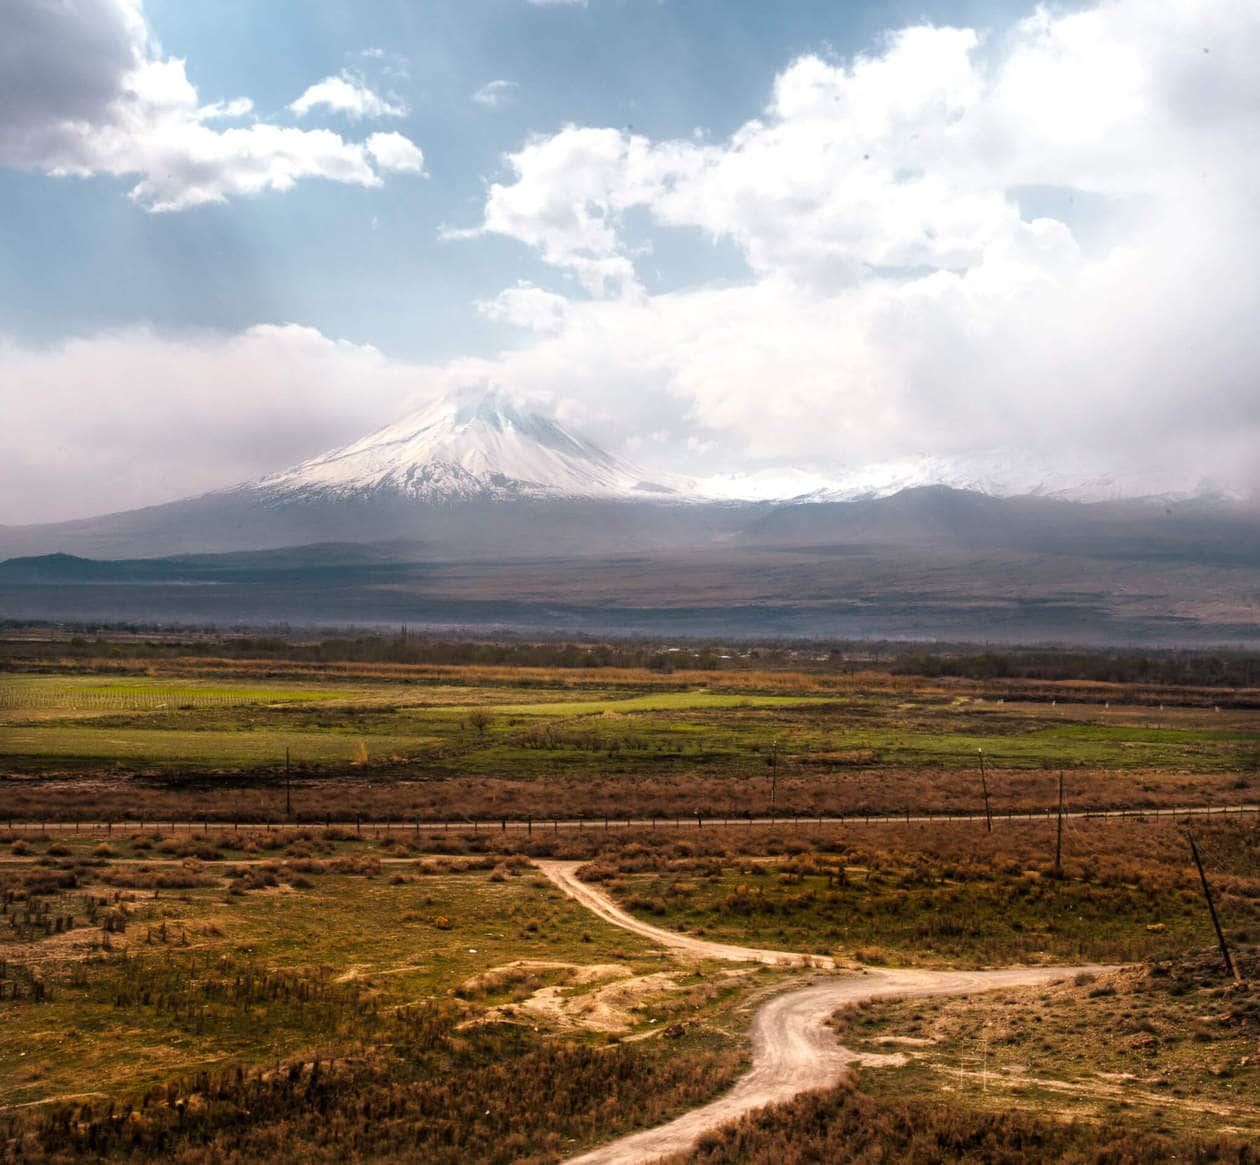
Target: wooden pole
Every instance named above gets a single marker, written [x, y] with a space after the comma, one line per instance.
[1216, 922]
[1058, 840]
[288, 792]
[774, 777]
[984, 788]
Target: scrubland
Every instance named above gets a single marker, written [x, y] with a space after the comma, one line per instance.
[266, 986]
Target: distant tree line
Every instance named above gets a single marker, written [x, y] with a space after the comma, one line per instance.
[1200, 668]
[1177, 668]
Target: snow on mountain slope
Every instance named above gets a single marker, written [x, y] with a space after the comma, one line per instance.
[998, 473]
[487, 448]
[466, 448]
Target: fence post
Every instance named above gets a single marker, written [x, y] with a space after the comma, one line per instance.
[1216, 922]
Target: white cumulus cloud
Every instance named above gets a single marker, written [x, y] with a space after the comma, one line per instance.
[495, 94]
[347, 94]
[85, 89]
[1040, 236]
[393, 151]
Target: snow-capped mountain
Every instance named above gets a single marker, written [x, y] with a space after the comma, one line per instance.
[466, 448]
[479, 478]
[1000, 473]
[996, 474]
[485, 447]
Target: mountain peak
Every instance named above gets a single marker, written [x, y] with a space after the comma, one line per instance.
[469, 445]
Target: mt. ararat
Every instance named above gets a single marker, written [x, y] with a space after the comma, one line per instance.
[463, 450]
[477, 513]
[467, 448]
[482, 478]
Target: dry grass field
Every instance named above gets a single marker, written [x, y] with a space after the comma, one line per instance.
[265, 987]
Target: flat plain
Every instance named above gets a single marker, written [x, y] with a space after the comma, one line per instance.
[356, 959]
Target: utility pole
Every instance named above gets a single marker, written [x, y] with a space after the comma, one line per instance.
[1058, 841]
[984, 787]
[774, 776]
[1216, 922]
[288, 790]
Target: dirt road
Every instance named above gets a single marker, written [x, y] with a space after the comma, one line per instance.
[793, 1050]
[564, 874]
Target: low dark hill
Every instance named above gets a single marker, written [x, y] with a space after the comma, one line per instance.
[493, 529]
[335, 558]
[939, 517]
[924, 564]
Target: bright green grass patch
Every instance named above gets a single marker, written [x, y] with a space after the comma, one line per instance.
[142, 746]
[1154, 736]
[1071, 746]
[656, 702]
[126, 694]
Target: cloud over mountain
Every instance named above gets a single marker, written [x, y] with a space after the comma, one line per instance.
[1041, 235]
[129, 418]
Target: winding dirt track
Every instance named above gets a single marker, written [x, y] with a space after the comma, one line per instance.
[793, 1050]
[564, 874]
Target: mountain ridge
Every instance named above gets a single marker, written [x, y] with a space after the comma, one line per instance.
[478, 477]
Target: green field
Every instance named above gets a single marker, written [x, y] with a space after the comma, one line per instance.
[91, 694]
[238, 747]
[135, 720]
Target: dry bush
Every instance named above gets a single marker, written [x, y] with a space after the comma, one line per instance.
[842, 1124]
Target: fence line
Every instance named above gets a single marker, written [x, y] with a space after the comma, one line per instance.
[384, 826]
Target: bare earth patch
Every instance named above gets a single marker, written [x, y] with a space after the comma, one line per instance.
[599, 997]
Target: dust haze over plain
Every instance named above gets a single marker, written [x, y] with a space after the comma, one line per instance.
[1036, 238]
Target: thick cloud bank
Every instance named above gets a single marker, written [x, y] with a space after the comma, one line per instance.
[129, 418]
[85, 89]
[1044, 236]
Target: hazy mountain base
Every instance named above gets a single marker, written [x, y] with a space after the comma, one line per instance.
[498, 529]
[857, 591]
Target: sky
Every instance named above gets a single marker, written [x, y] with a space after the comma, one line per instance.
[715, 235]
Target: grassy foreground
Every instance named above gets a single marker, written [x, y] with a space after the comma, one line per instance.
[314, 1005]
[1179, 1054]
[957, 896]
[311, 994]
